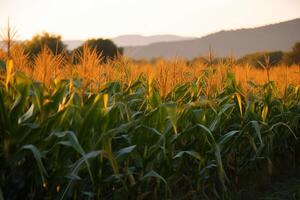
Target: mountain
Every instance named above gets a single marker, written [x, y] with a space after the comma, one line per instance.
[72, 44]
[280, 36]
[133, 40]
[139, 40]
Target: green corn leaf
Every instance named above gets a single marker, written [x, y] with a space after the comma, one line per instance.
[72, 140]
[125, 151]
[38, 158]
[73, 175]
[227, 137]
[154, 174]
[171, 110]
[190, 153]
[27, 115]
[257, 131]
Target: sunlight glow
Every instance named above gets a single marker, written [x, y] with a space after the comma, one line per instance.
[81, 19]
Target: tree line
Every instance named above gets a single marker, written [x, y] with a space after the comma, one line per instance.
[105, 48]
[257, 59]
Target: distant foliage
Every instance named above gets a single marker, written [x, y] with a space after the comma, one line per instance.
[105, 48]
[274, 58]
[200, 60]
[38, 42]
[293, 57]
[260, 58]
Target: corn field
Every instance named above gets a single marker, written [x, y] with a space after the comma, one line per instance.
[142, 136]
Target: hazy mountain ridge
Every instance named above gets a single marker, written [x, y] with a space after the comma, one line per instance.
[280, 36]
[133, 40]
[139, 40]
[273, 37]
[72, 44]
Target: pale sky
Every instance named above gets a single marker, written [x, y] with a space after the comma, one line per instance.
[82, 19]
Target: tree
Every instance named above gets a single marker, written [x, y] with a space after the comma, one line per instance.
[105, 48]
[293, 57]
[38, 42]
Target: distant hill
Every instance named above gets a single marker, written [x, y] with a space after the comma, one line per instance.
[280, 36]
[139, 40]
[274, 37]
[72, 44]
[133, 40]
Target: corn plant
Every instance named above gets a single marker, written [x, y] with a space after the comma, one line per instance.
[126, 141]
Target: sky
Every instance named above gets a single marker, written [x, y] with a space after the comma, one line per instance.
[82, 19]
